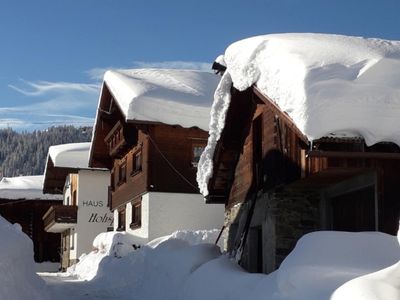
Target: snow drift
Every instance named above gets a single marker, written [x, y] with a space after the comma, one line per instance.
[181, 267]
[17, 268]
[320, 263]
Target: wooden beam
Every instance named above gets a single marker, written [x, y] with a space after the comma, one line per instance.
[343, 154]
[272, 105]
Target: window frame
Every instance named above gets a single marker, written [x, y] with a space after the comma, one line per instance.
[122, 174]
[135, 168]
[121, 219]
[194, 159]
[136, 217]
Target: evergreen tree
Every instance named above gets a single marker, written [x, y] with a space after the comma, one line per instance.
[25, 153]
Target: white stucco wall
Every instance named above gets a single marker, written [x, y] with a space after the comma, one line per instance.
[115, 213]
[94, 216]
[67, 191]
[164, 213]
[143, 232]
[67, 201]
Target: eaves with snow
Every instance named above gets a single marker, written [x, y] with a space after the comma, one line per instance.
[328, 85]
[63, 160]
[152, 96]
[24, 188]
[169, 96]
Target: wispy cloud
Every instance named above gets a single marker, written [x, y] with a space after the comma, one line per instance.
[190, 65]
[13, 123]
[97, 73]
[51, 103]
[39, 88]
[59, 103]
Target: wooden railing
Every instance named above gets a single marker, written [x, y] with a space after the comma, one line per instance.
[119, 139]
[60, 214]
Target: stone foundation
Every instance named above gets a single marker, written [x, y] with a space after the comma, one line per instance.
[279, 219]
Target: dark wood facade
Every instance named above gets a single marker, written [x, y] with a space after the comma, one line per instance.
[28, 213]
[143, 156]
[59, 214]
[262, 156]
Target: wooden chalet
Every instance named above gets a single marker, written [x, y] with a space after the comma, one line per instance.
[22, 202]
[153, 162]
[83, 213]
[277, 186]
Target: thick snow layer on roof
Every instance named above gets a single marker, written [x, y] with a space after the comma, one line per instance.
[74, 155]
[24, 187]
[328, 84]
[174, 97]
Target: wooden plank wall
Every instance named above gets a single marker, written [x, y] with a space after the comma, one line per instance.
[160, 143]
[281, 151]
[175, 143]
[136, 183]
[29, 215]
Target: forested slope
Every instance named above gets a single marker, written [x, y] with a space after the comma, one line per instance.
[24, 153]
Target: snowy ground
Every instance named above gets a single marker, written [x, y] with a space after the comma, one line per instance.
[185, 265]
[63, 287]
[184, 268]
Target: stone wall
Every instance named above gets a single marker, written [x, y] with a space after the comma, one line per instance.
[279, 219]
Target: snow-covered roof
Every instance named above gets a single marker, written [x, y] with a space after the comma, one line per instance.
[174, 97]
[24, 187]
[75, 155]
[328, 84]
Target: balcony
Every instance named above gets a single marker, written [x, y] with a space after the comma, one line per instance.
[120, 139]
[59, 218]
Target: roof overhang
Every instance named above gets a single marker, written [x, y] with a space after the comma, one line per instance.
[332, 176]
[98, 154]
[54, 177]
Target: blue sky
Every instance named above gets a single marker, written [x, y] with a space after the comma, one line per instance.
[54, 52]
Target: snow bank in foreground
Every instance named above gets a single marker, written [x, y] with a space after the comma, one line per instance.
[113, 244]
[110, 245]
[17, 269]
[328, 84]
[383, 284]
[322, 261]
[172, 268]
[319, 264]
[192, 237]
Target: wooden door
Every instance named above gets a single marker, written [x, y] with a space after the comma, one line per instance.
[354, 211]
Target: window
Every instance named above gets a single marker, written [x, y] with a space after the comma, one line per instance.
[136, 162]
[74, 200]
[197, 150]
[121, 219]
[136, 214]
[109, 197]
[112, 181]
[72, 239]
[122, 173]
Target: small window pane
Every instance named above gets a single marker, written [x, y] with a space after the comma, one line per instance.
[196, 153]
